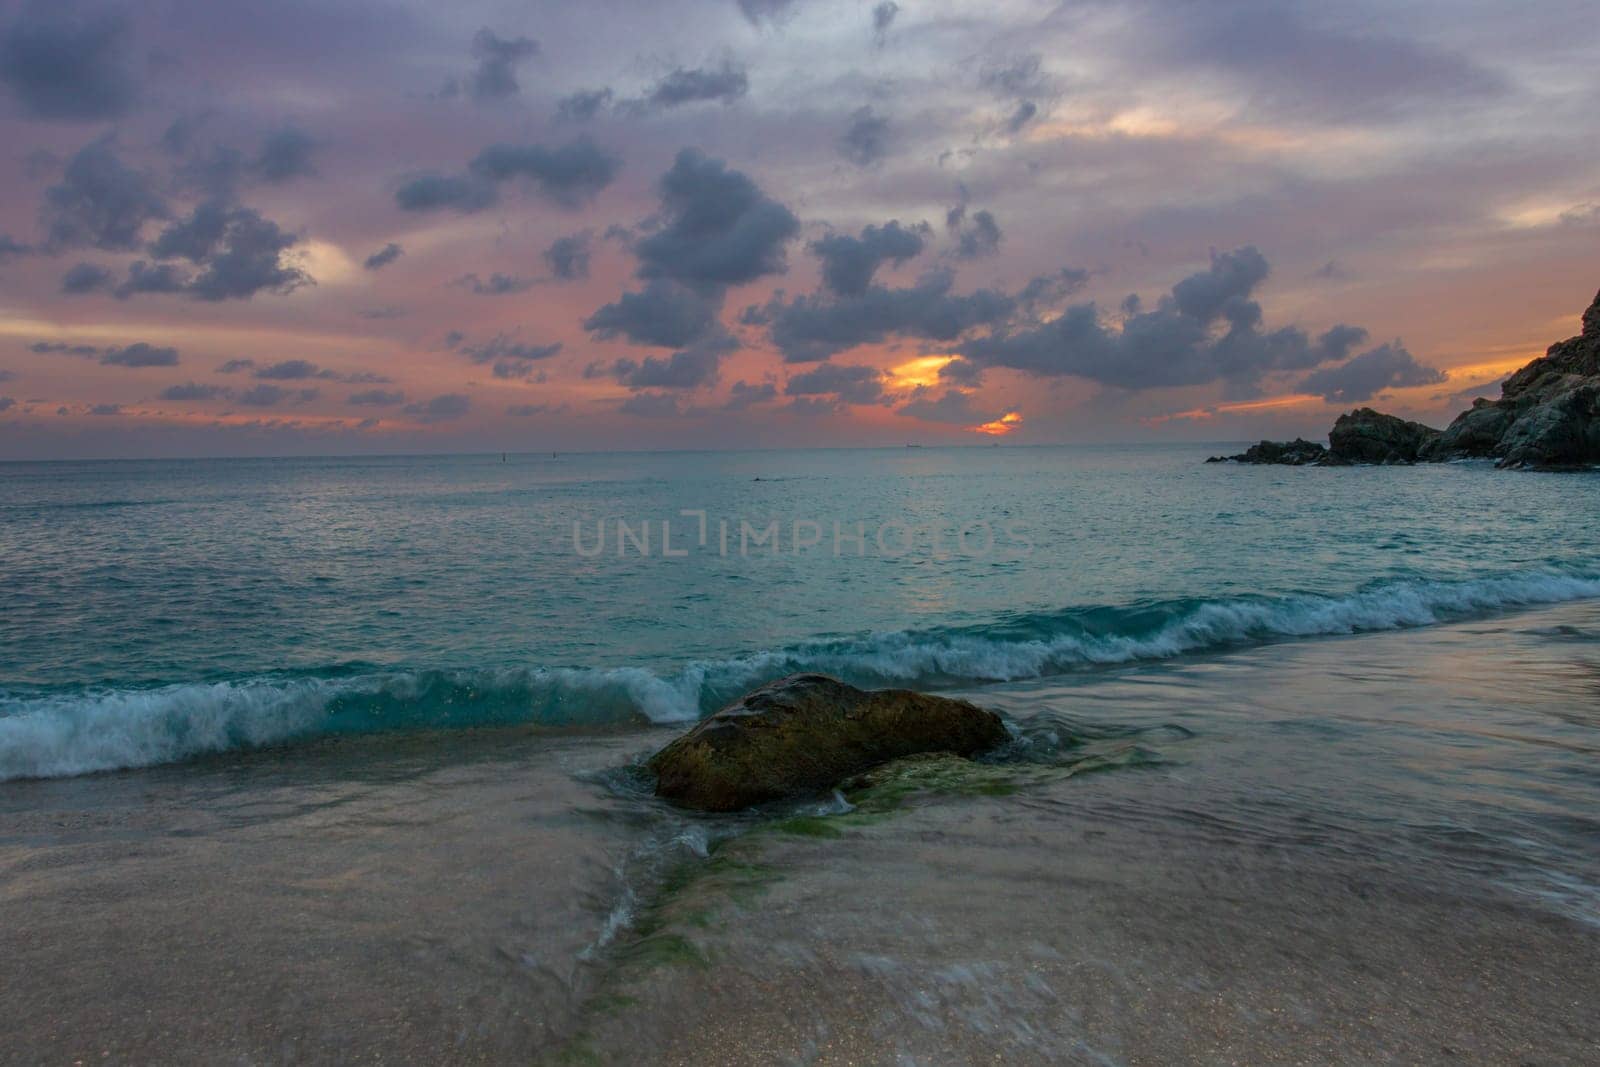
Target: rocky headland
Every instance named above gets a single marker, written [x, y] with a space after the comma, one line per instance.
[1547, 418]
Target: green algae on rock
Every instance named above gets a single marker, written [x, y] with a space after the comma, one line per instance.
[808, 732]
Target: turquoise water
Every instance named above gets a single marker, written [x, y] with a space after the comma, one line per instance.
[152, 611]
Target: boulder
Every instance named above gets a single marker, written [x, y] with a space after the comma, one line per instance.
[1368, 436]
[804, 734]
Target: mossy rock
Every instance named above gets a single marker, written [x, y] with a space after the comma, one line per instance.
[806, 733]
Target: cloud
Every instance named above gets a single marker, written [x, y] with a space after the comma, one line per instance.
[152, 278]
[440, 408]
[495, 77]
[236, 366]
[743, 395]
[975, 238]
[378, 398]
[10, 247]
[664, 314]
[62, 348]
[105, 409]
[1024, 114]
[813, 405]
[1017, 77]
[241, 253]
[962, 372]
[568, 257]
[1284, 60]
[650, 405]
[194, 391]
[692, 85]
[85, 278]
[719, 228]
[383, 256]
[583, 106]
[815, 327]
[770, 11]
[510, 359]
[1388, 366]
[285, 155]
[883, 16]
[1207, 330]
[100, 201]
[570, 175]
[849, 384]
[497, 284]
[268, 396]
[431, 192]
[689, 368]
[848, 263]
[64, 63]
[140, 354]
[290, 370]
[866, 140]
[952, 406]
[7, 403]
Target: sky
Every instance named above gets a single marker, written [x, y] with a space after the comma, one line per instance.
[377, 226]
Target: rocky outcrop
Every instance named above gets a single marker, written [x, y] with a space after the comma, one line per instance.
[1296, 453]
[1367, 436]
[806, 733]
[1548, 414]
[1547, 417]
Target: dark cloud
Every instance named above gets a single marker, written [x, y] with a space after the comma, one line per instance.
[140, 354]
[5, 375]
[268, 396]
[248, 259]
[569, 175]
[848, 263]
[100, 201]
[86, 278]
[1388, 366]
[61, 348]
[10, 247]
[650, 405]
[743, 395]
[815, 327]
[770, 11]
[866, 140]
[377, 398]
[152, 278]
[431, 192]
[814, 405]
[692, 85]
[510, 359]
[523, 411]
[440, 408]
[961, 372]
[952, 406]
[60, 61]
[1207, 330]
[285, 155]
[389, 311]
[583, 106]
[1288, 62]
[495, 77]
[883, 15]
[1024, 114]
[664, 314]
[236, 366]
[719, 228]
[977, 236]
[496, 284]
[689, 368]
[196, 237]
[1048, 290]
[194, 391]
[7, 403]
[289, 370]
[1017, 78]
[849, 384]
[383, 256]
[569, 257]
[105, 409]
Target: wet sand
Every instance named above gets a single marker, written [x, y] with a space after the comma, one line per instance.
[1355, 850]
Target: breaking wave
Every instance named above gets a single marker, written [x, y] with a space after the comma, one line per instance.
[48, 733]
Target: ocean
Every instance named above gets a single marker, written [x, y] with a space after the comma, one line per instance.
[266, 690]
